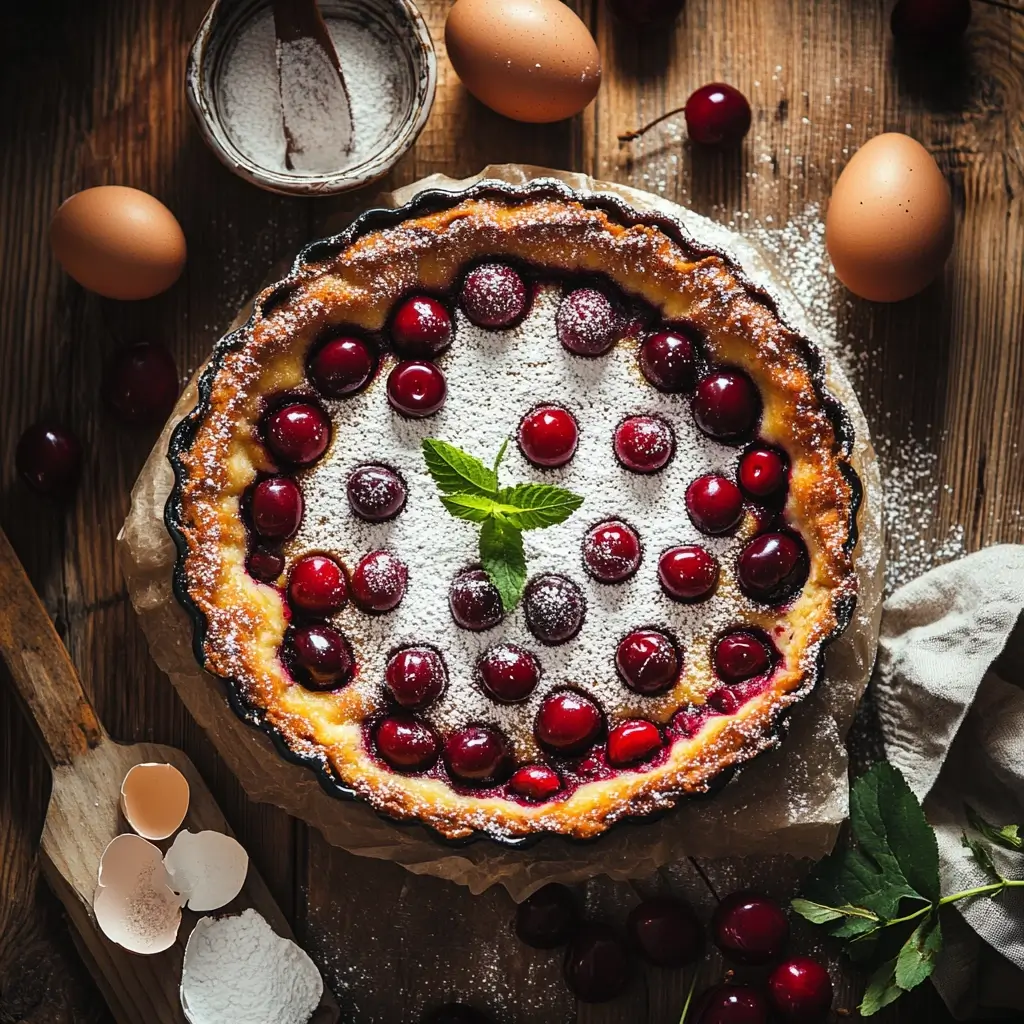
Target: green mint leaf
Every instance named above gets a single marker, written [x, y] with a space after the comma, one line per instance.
[456, 472]
[503, 559]
[881, 991]
[916, 960]
[816, 913]
[1008, 837]
[982, 855]
[535, 506]
[477, 508]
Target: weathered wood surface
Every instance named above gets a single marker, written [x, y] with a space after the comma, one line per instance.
[93, 95]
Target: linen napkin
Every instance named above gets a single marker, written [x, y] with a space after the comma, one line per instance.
[949, 690]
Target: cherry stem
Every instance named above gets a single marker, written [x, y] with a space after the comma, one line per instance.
[637, 132]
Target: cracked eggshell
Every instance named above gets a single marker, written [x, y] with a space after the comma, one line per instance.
[134, 905]
[206, 868]
[238, 969]
[154, 799]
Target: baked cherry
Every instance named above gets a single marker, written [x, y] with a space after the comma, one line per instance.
[611, 552]
[276, 507]
[750, 928]
[140, 383]
[415, 676]
[508, 673]
[568, 722]
[668, 360]
[741, 655]
[456, 1013]
[597, 964]
[548, 436]
[493, 295]
[49, 459]
[800, 989]
[421, 328]
[762, 474]
[715, 504]
[378, 583]
[535, 782]
[643, 12]
[265, 565]
[406, 743]
[633, 741]
[474, 601]
[317, 585]
[644, 444]
[547, 918]
[926, 24]
[416, 389]
[688, 573]
[648, 661]
[587, 322]
[322, 658]
[772, 567]
[666, 932]
[554, 608]
[341, 366]
[297, 433]
[477, 753]
[375, 493]
[717, 114]
[726, 405]
[731, 1004]
[724, 700]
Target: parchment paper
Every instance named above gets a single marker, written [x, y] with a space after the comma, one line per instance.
[790, 801]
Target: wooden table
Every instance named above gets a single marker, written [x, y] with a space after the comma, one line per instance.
[93, 95]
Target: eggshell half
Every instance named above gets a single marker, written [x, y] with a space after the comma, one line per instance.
[206, 868]
[154, 799]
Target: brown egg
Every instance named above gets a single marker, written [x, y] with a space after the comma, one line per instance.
[118, 242]
[890, 220]
[531, 60]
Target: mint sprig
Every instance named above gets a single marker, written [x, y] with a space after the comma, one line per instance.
[470, 491]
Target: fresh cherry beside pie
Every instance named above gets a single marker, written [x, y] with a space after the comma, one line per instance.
[380, 623]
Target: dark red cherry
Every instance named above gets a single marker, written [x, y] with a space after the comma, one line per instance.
[456, 1013]
[415, 676]
[715, 504]
[508, 673]
[633, 741]
[548, 436]
[644, 444]
[49, 459]
[421, 328]
[406, 743]
[717, 114]
[493, 295]
[568, 722]
[648, 661]
[341, 366]
[477, 753]
[772, 567]
[724, 700]
[535, 782]
[317, 585]
[800, 989]
[140, 383]
[666, 932]
[611, 552]
[731, 1004]
[741, 655]
[375, 493]
[688, 573]
[378, 583]
[762, 474]
[926, 24]
[597, 965]
[474, 601]
[668, 359]
[554, 607]
[276, 507]
[548, 918]
[750, 928]
[726, 405]
[587, 323]
[265, 565]
[322, 657]
[643, 12]
[298, 433]
[416, 389]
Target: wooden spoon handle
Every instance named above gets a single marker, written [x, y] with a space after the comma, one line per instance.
[44, 677]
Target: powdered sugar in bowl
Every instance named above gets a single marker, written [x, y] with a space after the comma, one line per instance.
[390, 71]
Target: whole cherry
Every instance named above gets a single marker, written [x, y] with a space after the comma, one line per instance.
[726, 405]
[548, 436]
[715, 504]
[717, 114]
[772, 567]
[406, 743]
[800, 989]
[493, 295]
[763, 474]
[597, 964]
[547, 918]
[474, 601]
[317, 585]
[321, 657]
[731, 1004]
[554, 607]
[647, 661]
[275, 507]
[378, 582]
[416, 389]
[508, 673]
[644, 444]
[421, 328]
[535, 782]
[665, 931]
[688, 573]
[415, 676]
[568, 722]
[341, 366]
[140, 383]
[750, 928]
[476, 754]
[49, 459]
[587, 322]
[375, 493]
[297, 433]
[611, 551]
[633, 741]
[668, 360]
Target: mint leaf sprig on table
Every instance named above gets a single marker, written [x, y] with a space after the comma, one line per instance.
[881, 894]
[470, 490]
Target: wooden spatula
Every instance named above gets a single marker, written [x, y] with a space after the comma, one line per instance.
[83, 816]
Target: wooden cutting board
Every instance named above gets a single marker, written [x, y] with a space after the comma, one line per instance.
[84, 812]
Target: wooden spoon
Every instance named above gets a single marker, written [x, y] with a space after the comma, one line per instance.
[83, 815]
